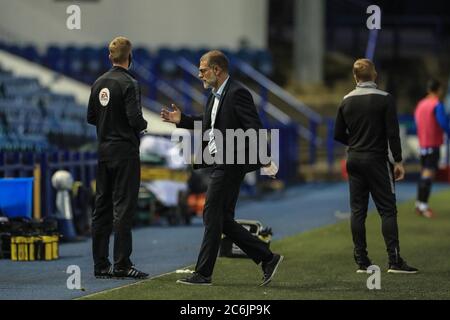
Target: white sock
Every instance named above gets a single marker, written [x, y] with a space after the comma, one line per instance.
[422, 206]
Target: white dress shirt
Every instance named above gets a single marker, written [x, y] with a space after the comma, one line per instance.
[217, 95]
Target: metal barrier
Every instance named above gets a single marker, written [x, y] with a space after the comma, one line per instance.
[82, 166]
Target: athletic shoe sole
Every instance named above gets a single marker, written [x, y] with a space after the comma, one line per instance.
[103, 277]
[401, 271]
[194, 284]
[273, 273]
[361, 271]
[129, 278]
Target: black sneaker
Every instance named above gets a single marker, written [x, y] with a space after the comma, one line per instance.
[106, 273]
[130, 273]
[196, 279]
[362, 268]
[270, 268]
[401, 267]
[362, 260]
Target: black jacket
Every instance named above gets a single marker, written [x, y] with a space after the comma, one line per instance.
[115, 109]
[367, 122]
[236, 111]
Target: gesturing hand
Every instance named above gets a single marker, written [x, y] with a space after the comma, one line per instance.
[270, 170]
[171, 116]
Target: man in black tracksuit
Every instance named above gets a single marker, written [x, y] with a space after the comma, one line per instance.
[115, 109]
[367, 123]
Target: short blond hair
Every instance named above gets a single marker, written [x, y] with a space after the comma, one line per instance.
[119, 49]
[364, 70]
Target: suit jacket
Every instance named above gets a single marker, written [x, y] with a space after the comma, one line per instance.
[236, 111]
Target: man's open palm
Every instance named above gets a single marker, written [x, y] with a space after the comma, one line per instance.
[171, 116]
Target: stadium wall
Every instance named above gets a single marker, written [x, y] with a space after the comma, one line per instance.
[154, 23]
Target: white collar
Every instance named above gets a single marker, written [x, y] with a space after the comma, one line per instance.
[219, 91]
[366, 84]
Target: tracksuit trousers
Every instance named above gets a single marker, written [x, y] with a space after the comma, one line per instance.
[116, 198]
[373, 176]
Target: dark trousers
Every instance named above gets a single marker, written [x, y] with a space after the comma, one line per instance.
[115, 204]
[375, 177]
[218, 218]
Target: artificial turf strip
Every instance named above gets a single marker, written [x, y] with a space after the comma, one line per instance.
[319, 265]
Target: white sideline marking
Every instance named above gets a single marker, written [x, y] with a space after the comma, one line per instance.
[128, 285]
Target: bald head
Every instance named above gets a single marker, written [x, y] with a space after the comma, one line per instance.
[364, 70]
[216, 58]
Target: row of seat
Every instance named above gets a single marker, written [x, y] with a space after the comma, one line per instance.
[29, 142]
[34, 118]
[87, 62]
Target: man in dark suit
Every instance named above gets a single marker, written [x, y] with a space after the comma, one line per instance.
[230, 106]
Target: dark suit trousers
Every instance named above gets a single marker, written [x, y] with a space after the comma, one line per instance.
[115, 204]
[218, 218]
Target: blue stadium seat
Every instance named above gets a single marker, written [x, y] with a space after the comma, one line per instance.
[247, 55]
[54, 58]
[74, 112]
[264, 62]
[58, 98]
[141, 53]
[5, 76]
[30, 114]
[46, 126]
[91, 60]
[14, 49]
[104, 56]
[54, 111]
[144, 58]
[166, 61]
[30, 53]
[189, 54]
[73, 64]
[20, 87]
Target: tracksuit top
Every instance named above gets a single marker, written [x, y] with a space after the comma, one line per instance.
[115, 109]
[367, 122]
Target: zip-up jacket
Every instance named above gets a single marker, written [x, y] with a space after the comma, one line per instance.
[115, 109]
[367, 122]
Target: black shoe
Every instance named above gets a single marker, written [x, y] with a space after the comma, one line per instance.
[362, 260]
[106, 273]
[270, 268]
[363, 266]
[401, 267]
[196, 279]
[130, 273]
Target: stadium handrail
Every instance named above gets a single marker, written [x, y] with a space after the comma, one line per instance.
[163, 86]
[275, 89]
[272, 110]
